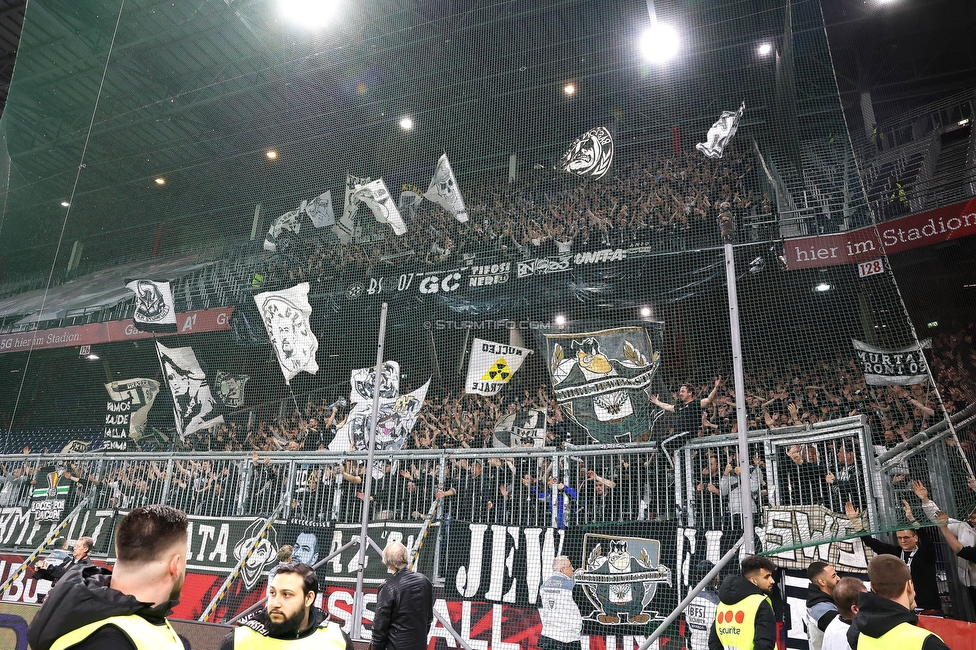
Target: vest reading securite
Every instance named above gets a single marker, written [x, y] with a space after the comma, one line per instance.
[735, 624]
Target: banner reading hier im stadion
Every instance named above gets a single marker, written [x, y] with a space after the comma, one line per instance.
[895, 236]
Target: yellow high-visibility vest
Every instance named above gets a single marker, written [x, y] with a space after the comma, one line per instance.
[143, 634]
[904, 636]
[324, 638]
[736, 624]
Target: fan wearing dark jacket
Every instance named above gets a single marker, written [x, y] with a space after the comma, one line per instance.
[404, 606]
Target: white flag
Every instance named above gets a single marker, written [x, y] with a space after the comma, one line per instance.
[492, 365]
[444, 190]
[904, 367]
[141, 393]
[590, 155]
[155, 311]
[286, 316]
[351, 203]
[721, 133]
[362, 381]
[377, 197]
[410, 200]
[288, 222]
[193, 403]
[319, 210]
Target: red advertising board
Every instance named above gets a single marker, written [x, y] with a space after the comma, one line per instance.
[192, 322]
[869, 243]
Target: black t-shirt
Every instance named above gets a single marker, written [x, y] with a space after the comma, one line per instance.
[689, 416]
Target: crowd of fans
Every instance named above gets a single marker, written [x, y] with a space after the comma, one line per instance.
[670, 201]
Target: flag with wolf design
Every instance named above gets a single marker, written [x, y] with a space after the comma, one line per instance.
[600, 379]
[155, 310]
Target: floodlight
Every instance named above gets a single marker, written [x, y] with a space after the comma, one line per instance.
[160, 181]
[963, 122]
[569, 89]
[659, 43]
[406, 123]
[93, 357]
[646, 312]
[765, 49]
[65, 204]
[823, 286]
[310, 13]
[271, 154]
[559, 320]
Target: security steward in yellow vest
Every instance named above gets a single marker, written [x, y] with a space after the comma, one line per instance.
[289, 621]
[885, 620]
[744, 619]
[92, 608]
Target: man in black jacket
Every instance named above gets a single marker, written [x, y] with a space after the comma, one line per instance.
[884, 617]
[79, 555]
[92, 608]
[404, 606]
[289, 616]
[744, 605]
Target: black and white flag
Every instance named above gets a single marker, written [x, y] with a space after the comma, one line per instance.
[377, 198]
[590, 155]
[721, 133]
[521, 429]
[903, 367]
[193, 403]
[141, 393]
[320, 210]
[230, 388]
[289, 222]
[286, 316]
[155, 311]
[351, 203]
[410, 199]
[444, 190]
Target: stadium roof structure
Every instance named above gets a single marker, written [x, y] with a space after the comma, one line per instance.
[103, 103]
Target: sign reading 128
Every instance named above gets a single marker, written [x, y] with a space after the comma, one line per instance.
[874, 267]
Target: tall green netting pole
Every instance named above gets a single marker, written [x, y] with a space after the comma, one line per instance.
[745, 485]
[357, 605]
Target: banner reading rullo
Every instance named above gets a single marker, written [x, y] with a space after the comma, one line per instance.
[870, 242]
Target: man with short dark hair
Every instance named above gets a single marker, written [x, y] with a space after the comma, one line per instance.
[846, 593]
[821, 609]
[744, 618]
[688, 410]
[289, 619]
[885, 620]
[404, 606]
[92, 608]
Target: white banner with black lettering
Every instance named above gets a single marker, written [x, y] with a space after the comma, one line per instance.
[882, 367]
[286, 315]
[492, 365]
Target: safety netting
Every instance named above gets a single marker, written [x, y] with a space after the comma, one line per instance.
[561, 243]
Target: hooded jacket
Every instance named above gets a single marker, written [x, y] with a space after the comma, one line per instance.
[261, 624]
[876, 616]
[735, 589]
[821, 610]
[84, 596]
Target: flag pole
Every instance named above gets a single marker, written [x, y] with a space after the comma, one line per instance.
[357, 605]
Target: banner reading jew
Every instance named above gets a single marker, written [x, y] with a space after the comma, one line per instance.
[893, 367]
[193, 403]
[491, 366]
[286, 316]
[141, 393]
[600, 377]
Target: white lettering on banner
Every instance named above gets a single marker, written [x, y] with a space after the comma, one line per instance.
[539, 550]
[606, 255]
[190, 322]
[874, 267]
[433, 284]
[222, 318]
[375, 286]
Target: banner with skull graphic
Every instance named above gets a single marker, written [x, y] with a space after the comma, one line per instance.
[444, 190]
[600, 377]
